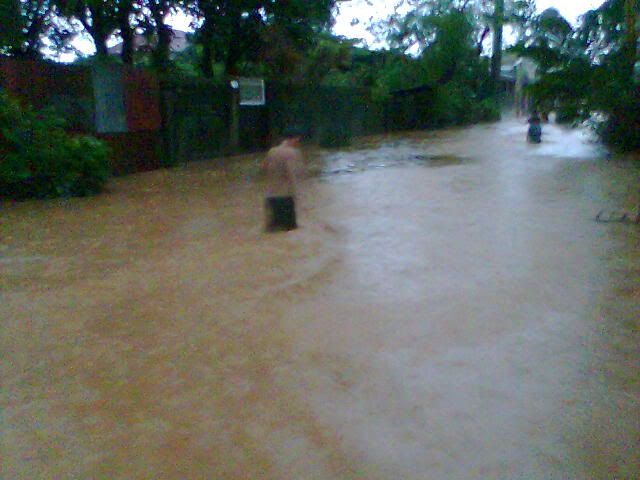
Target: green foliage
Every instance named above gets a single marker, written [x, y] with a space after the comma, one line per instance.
[24, 25]
[456, 104]
[448, 54]
[487, 110]
[451, 105]
[621, 130]
[334, 61]
[99, 18]
[11, 25]
[254, 31]
[38, 158]
[448, 67]
[589, 71]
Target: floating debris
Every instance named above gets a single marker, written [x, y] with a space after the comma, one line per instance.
[371, 163]
[439, 160]
[617, 217]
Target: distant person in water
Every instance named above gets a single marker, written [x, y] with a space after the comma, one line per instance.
[534, 134]
[281, 166]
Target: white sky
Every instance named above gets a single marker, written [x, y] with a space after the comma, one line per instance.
[363, 11]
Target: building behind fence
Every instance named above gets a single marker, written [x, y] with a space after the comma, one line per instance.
[151, 122]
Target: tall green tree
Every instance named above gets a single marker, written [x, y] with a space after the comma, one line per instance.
[441, 40]
[26, 32]
[159, 31]
[125, 11]
[516, 13]
[11, 22]
[99, 18]
[629, 48]
[234, 32]
[591, 69]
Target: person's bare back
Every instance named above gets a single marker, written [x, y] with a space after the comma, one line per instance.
[281, 166]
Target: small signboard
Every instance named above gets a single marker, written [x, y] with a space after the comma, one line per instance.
[251, 91]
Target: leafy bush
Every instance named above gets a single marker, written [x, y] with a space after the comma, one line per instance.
[621, 129]
[487, 110]
[456, 104]
[38, 159]
[449, 106]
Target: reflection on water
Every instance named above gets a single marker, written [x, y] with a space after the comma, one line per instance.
[466, 321]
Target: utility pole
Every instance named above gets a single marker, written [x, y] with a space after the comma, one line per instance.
[496, 59]
[234, 128]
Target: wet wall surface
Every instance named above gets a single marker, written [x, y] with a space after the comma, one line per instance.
[448, 309]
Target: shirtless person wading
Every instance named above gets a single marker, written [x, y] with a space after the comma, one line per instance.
[280, 165]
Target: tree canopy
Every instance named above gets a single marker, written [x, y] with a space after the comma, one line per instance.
[592, 69]
[450, 46]
[233, 32]
[11, 22]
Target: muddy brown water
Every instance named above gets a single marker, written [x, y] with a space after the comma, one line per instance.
[448, 310]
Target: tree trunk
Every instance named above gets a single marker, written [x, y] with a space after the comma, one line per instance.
[31, 45]
[127, 46]
[629, 48]
[99, 31]
[127, 34]
[483, 36]
[163, 48]
[101, 46]
[234, 50]
[496, 59]
[12, 21]
[30, 40]
[207, 59]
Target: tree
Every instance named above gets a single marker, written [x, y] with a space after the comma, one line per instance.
[615, 90]
[125, 10]
[234, 32]
[441, 40]
[442, 35]
[550, 41]
[26, 32]
[11, 22]
[590, 70]
[98, 17]
[630, 43]
[159, 31]
[516, 13]
[336, 61]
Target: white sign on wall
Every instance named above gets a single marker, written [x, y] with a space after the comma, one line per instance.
[251, 91]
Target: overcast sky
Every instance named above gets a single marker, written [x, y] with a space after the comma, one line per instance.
[356, 15]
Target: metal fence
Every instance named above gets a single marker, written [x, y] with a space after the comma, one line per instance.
[151, 122]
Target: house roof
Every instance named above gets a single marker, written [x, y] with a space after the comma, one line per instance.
[514, 66]
[179, 42]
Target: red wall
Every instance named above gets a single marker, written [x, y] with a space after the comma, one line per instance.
[138, 149]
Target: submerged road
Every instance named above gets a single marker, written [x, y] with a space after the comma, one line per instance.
[448, 310]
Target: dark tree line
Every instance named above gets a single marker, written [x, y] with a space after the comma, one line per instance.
[228, 32]
[451, 46]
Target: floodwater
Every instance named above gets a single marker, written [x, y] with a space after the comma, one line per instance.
[449, 309]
